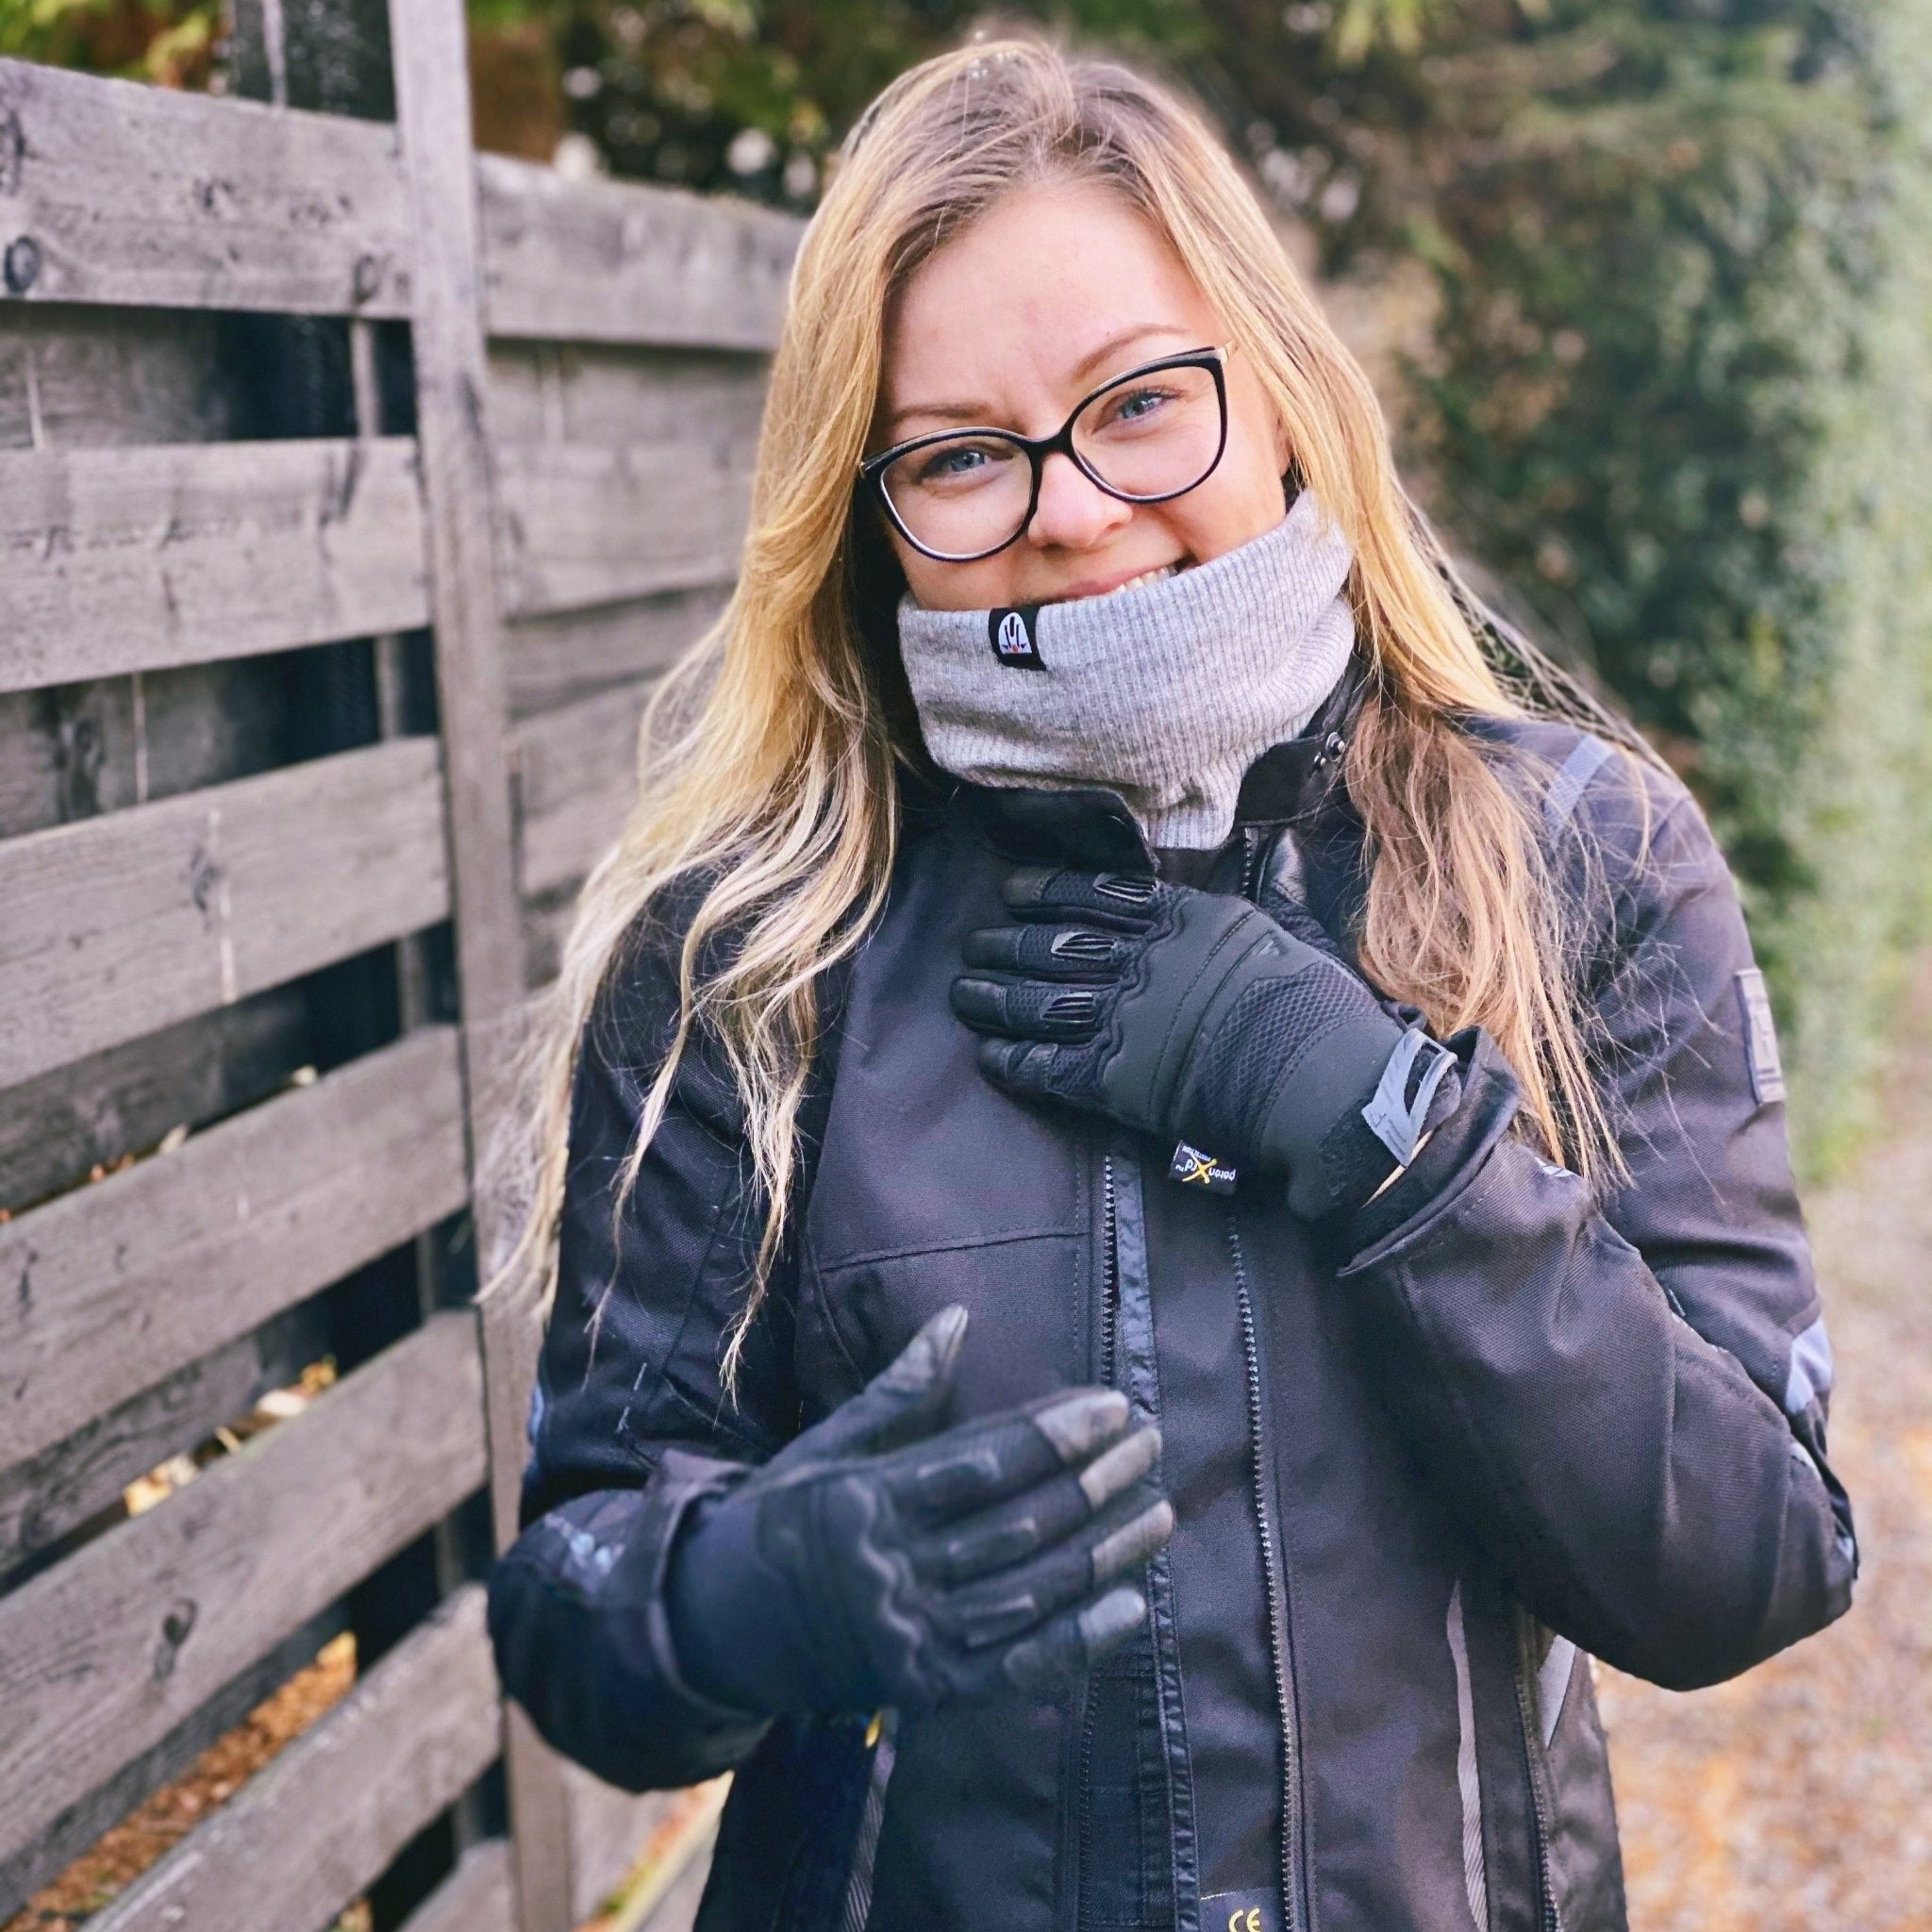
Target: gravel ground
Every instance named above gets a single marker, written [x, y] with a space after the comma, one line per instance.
[1800, 1795]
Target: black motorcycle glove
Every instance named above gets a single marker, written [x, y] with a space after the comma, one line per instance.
[1199, 1017]
[874, 1562]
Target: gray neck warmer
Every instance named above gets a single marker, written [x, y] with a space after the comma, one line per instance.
[1165, 694]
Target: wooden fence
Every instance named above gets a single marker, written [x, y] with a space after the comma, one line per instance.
[352, 488]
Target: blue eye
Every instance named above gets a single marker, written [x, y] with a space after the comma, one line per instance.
[957, 465]
[954, 461]
[1136, 405]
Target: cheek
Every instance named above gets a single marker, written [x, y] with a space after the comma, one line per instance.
[955, 586]
[1242, 499]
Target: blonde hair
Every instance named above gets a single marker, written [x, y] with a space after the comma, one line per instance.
[768, 783]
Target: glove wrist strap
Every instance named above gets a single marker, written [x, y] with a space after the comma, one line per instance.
[1394, 1118]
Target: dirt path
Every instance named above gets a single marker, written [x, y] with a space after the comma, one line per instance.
[1799, 1797]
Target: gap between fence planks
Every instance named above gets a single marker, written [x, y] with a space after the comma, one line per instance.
[117, 1284]
[132, 194]
[135, 560]
[91, 1112]
[52, 1492]
[314, 1828]
[120, 924]
[105, 1654]
[608, 261]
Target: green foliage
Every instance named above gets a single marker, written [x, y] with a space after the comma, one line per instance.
[751, 95]
[1679, 390]
[171, 42]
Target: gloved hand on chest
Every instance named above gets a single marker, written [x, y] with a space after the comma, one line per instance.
[881, 1559]
[1198, 1017]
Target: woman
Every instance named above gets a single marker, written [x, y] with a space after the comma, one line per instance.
[1171, 1208]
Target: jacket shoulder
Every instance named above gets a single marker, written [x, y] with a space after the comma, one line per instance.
[1601, 804]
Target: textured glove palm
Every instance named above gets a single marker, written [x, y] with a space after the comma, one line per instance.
[859, 1568]
[1198, 1016]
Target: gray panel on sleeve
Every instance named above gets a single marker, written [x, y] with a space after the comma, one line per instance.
[1809, 1375]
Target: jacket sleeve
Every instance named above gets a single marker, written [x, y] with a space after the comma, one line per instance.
[630, 1424]
[1626, 1397]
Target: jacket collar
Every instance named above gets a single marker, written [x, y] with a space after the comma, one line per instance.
[1090, 826]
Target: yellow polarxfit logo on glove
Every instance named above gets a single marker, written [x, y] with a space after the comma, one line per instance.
[1193, 1169]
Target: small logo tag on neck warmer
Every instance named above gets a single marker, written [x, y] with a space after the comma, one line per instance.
[1015, 641]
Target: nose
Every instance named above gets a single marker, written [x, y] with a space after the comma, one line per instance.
[1074, 513]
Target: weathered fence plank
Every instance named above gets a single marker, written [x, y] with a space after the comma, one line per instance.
[607, 396]
[547, 925]
[48, 1494]
[102, 1654]
[452, 388]
[576, 778]
[433, 108]
[115, 560]
[23, 1871]
[607, 1831]
[167, 893]
[124, 924]
[667, 1901]
[475, 1897]
[569, 654]
[593, 526]
[117, 1284]
[676, 1908]
[111, 192]
[610, 261]
[304, 1836]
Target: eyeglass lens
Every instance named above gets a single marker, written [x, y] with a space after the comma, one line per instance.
[1150, 435]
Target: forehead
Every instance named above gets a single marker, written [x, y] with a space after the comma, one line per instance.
[1007, 312]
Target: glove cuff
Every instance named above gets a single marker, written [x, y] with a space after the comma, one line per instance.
[677, 1628]
[1355, 1131]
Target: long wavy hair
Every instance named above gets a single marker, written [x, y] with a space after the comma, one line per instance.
[769, 758]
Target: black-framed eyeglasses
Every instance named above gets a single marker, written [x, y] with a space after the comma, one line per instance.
[1148, 436]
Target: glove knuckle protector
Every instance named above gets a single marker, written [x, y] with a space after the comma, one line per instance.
[845, 1576]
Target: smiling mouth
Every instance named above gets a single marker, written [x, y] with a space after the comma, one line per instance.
[1159, 574]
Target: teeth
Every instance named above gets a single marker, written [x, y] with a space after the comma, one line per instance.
[1146, 576]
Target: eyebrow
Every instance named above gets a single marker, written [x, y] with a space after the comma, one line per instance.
[975, 412]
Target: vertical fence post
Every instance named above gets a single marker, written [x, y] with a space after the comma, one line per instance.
[433, 115]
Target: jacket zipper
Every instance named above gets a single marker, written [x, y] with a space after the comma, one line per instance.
[1109, 1296]
[1549, 1918]
[1251, 865]
[1110, 1288]
[1294, 1906]
[1293, 1917]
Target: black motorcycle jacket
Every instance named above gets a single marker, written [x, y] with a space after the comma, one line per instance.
[1424, 1464]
